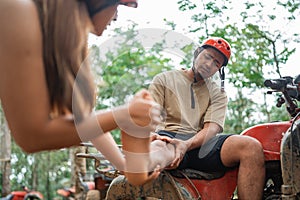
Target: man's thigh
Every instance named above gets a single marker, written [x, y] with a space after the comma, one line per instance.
[234, 148]
[208, 157]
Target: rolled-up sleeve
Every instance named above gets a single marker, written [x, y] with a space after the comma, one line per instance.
[216, 112]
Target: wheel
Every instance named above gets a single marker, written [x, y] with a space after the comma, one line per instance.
[273, 181]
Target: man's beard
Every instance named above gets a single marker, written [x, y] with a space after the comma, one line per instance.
[200, 76]
[197, 74]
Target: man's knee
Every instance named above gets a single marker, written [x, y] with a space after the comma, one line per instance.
[253, 145]
[239, 147]
[246, 143]
[253, 150]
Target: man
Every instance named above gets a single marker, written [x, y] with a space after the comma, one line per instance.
[195, 108]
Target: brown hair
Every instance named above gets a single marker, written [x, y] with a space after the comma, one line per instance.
[65, 26]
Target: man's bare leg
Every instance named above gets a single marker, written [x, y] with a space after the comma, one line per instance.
[248, 153]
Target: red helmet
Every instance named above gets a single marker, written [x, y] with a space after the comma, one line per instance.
[219, 44]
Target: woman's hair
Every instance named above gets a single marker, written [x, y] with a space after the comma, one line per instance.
[65, 26]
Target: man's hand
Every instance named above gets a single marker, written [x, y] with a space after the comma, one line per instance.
[181, 148]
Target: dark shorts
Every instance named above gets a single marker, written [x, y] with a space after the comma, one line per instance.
[206, 158]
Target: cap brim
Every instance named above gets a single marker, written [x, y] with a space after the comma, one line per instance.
[132, 4]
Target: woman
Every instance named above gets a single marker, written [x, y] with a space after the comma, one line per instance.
[46, 88]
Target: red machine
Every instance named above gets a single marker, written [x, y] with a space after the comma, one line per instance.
[281, 143]
[270, 135]
[24, 194]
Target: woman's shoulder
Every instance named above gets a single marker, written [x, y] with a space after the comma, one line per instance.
[16, 8]
[17, 15]
[19, 24]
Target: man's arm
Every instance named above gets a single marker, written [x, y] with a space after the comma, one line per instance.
[209, 130]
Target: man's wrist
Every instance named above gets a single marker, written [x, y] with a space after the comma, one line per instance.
[189, 144]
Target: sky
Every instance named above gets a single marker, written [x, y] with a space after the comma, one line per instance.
[150, 15]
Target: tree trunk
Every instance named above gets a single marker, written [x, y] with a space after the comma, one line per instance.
[78, 170]
[5, 154]
[5, 178]
[35, 172]
[48, 184]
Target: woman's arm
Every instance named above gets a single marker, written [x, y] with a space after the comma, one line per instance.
[24, 94]
[23, 89]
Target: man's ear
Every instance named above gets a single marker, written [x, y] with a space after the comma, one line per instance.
[197, 51]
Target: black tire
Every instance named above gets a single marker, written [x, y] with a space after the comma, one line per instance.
[32, 197]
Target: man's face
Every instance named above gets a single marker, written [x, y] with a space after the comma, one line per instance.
[208, 62]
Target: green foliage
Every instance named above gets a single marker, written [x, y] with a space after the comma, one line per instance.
[205, 15]
[41, 171]
[251, 54]
[258, 49]
[292, 7]
[185, 5]
[127, 67]
[241, 114]
[279, 114]
[1, 176]
[189, 52]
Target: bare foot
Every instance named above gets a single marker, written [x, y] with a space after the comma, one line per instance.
[137, 159]
[162, 153]
[137, 154]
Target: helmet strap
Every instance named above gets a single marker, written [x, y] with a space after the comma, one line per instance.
[191, 89]
[222, 77]
[194, 73]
